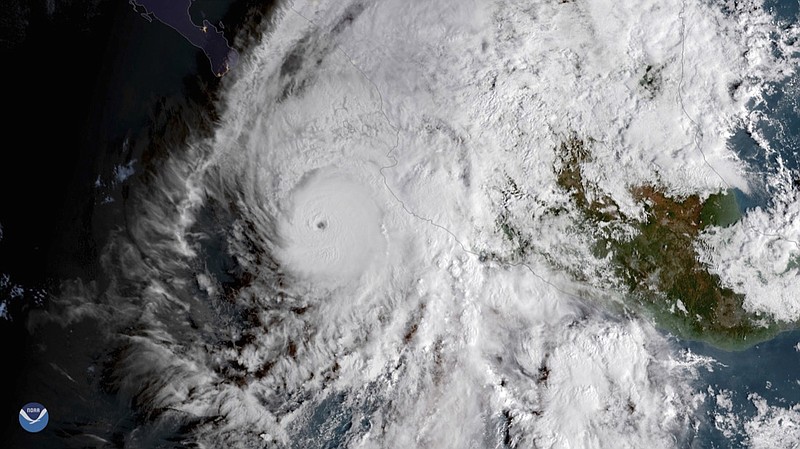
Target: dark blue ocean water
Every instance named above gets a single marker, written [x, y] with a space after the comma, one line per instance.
[155, 64]
[99, 97]
[781, 126]
[770, 369]
[784, 9]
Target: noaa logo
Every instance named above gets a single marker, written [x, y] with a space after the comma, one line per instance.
[33, 417]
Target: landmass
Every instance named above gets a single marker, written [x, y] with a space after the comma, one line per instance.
[655, 267]
[175, 14]
[659, 268]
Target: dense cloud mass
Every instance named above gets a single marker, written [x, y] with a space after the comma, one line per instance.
[317, 272]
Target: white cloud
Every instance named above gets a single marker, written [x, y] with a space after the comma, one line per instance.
[773, 427]
[759, 255]
[397, 133]
[121, 172]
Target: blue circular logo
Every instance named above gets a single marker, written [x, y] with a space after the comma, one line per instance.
[33, 417]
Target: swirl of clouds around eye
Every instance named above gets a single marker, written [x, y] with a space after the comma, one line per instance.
[310, 274]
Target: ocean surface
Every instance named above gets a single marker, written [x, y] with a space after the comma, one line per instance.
[147, 62]
[111, 73]
[770, 369]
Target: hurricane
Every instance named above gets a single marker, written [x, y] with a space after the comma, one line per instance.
[388, 236]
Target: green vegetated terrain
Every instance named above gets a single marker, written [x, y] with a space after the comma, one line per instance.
[658, 266]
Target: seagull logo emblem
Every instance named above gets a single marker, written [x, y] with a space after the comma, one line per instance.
[33, 417]
[31, 420]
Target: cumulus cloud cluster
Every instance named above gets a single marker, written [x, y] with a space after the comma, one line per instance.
[313, 273]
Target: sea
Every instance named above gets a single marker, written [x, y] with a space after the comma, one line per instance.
[124, 68]
[770, 369]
